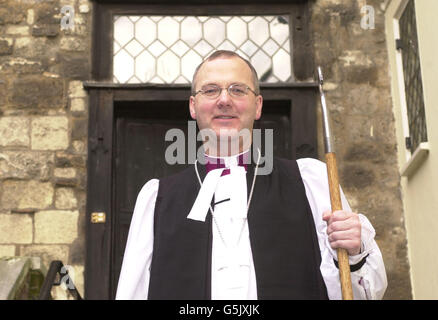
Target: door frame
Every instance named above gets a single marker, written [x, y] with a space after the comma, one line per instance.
[104, 95]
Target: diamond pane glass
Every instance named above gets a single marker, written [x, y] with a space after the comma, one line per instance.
[167, 49]
[236, 31]
[191, 31]
[279, 28]
[145, 31]
[259, 30]
[168, 31]
[168, 67]
[282, 65]
[412, 77]
[123, 66]
[214, 31]
[134, 47]
[145, 67]
[180, 48]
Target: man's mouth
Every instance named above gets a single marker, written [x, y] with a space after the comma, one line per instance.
[225, 117]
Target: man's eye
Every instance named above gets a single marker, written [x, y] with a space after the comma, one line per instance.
[238, 91]
[210, 91]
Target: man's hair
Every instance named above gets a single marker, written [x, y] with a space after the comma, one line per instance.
[227, 54]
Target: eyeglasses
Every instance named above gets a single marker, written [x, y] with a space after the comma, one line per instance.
[236, 90]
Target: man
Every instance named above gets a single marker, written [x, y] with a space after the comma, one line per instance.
[220, 231]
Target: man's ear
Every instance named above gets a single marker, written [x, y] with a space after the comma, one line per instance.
[259, 106]
[192, 107]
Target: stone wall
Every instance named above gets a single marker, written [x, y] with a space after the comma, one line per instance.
[43, 130]
[358, 95]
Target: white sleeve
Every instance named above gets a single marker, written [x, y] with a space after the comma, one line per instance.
[134, 276]
[369, 282]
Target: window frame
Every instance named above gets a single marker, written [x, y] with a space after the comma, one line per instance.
[301, 50]
[413, 158]
[401, 77]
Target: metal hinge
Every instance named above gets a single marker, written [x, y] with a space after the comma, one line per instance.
[398, 44]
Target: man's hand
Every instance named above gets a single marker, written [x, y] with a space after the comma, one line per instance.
[343, 230]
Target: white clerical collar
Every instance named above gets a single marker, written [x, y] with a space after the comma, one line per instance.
[229, 161]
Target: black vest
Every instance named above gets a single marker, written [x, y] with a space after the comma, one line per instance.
[282, 235]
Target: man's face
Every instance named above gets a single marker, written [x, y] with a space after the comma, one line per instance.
[225, 114]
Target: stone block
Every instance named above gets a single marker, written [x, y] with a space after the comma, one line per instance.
[17, 30]
[369, 151]
[65, 173]
[79, 147]
[6, 45]
[21, 66]
[13, 14]
[77, 105]
[7, 250]
[47, 13]
[19, 194]
[33, 91]
[73, 44]
[79, 128]
[65, 160]
[14, 132]
[51, 30]
[355, 58]
[363, 99]
[31, 47]
[49, 133]
[56, 226]
[15, 229]
[84, 8]
[30, 19]
[25, 165]
[74, 65]
[357, 177]
[47, 253]
[65, 198]
[76, 90]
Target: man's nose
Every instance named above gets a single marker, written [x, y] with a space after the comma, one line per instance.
[224, 96]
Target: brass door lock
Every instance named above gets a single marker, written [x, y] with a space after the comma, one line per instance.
[98, 217]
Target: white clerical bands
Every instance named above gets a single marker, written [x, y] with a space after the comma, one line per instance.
[208, 187]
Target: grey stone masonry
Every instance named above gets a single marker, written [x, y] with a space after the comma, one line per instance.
[356, 70]
[43, 129]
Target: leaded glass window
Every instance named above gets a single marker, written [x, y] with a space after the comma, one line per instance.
[167, 49]
[412, 77]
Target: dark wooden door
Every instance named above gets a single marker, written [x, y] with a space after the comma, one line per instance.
[140, 156]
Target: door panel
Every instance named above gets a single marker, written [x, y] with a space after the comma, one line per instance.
[140, 148]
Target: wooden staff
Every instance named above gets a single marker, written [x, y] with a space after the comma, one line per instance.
[335, 195]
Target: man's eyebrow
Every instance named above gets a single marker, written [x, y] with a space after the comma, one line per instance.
[216, 84]
[210, 84]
